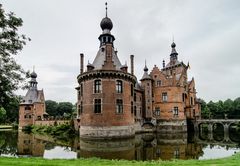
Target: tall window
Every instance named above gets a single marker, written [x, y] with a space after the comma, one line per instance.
[81, 107]
[176, 153]
[81, 90]
[79, 94]
[97, 106]
[131, 107]
[157, 110]
[119, 106]
[175, 111]
[119, 87]
[192, 101]
[79, 110]
[135, 97]
[164, 97]
[183, 97]
[158, 83]
[132, 89]
[135, 110]
[97, 86]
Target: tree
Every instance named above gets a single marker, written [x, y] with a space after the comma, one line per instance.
[205, 113]
[2, 114]
[11, 73]
[51, 107]
[12, 110]
[65, 107]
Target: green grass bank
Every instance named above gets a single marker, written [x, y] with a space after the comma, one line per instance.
[229, 161]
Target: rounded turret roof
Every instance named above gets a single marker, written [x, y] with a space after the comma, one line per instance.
[33, 75]
[173, 45]
[106, 23]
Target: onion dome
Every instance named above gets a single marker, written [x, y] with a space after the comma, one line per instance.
[173, 45]
[145, 76]
[174, 52]
[33, 75]
[106, 23]
[145, 68]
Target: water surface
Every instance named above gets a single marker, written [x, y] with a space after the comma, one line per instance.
[142, 147]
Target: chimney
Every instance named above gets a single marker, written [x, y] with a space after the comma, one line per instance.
[81, 62]
[132, 64]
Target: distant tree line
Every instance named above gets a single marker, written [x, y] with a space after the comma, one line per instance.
[221, 109]
[61, 109]
[53, 108]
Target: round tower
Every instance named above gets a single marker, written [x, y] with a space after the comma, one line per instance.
[105, 92]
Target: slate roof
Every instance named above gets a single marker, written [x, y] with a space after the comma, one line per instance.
[32, 96]
[100, 58]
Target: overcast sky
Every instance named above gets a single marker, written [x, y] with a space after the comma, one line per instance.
[206, 34]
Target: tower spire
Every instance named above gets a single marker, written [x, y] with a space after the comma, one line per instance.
[106, 8]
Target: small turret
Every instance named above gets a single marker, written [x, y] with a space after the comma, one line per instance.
[174, 54]
[33, 82]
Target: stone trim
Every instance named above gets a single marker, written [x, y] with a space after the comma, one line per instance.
[92, 75]
[94, 132]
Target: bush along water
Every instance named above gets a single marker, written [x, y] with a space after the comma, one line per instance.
[62, 131]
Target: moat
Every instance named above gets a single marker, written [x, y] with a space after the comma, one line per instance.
[146, 146]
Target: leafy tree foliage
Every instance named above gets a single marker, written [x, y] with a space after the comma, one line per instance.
[220, 109]
[59, 109]
[11, 73]
[65, 108]
[2, 114]
[51, 107]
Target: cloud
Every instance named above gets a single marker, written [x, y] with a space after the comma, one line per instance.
[206, 34]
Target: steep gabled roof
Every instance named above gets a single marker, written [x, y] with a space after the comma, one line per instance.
[101, 58]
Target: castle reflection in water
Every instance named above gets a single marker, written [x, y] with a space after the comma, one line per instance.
[142, 147]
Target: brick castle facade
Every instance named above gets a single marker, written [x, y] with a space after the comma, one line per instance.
[112, 103]
[32, 106]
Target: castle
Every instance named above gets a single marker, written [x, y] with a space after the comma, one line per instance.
[112, 103]
[32, 106]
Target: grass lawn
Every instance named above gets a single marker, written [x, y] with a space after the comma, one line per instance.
[229, 161]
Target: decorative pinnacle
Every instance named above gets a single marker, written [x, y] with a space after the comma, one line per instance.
[33, 68]
[106, 8]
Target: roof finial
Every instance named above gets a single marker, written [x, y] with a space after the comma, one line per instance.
[33, 68]
[173, 38]
[145, 68]
[106, 8]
